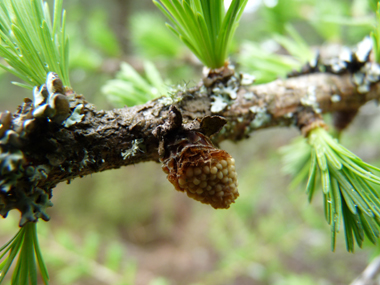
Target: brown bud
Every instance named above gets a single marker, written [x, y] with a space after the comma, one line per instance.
[60, 103]
[222, 74]
[203, 172]
[5, 122]
[54, 83]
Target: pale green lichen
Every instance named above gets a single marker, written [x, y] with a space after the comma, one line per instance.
[38, 173]
[136, 147]
[261, 117]
[247, 79]
[34, 206]
[86, 160]
[249, 95]
[224, 95]
[219, 104]
[335, 98]
[310, 99]
[75, 116]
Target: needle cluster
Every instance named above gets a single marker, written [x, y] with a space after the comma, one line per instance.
[31, 43]
[204, 26]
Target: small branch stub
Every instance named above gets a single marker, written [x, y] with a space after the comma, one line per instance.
[308, 120]
[192, 162]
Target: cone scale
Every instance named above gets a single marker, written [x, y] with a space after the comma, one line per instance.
[194, 165]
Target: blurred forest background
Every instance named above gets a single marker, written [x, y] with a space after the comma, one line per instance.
[129, 226]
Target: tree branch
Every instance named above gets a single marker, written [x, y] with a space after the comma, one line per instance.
[98, 142]
[370, 273]
[105, 140]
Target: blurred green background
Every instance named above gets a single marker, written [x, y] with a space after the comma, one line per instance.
[129, 226]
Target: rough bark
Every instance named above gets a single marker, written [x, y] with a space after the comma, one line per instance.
[98, 142]
[44, 153]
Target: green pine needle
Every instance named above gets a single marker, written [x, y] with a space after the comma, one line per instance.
[373, 4]
[350, 189]
[296, 161]
[32, 44]
[204, 26]
[295, 45]
[130, 88]
[25, 243]
[375, 35]
[266, 66]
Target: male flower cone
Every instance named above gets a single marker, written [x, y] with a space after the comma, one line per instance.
[194, 166]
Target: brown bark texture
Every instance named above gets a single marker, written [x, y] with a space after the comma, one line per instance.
[39, 149]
